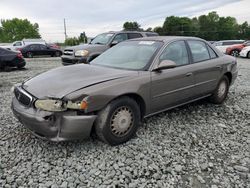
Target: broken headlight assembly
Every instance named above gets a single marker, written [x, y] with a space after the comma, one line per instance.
[54, 105]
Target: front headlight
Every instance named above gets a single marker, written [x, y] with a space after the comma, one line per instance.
[50, 105]
[59, 105]
[81, 53]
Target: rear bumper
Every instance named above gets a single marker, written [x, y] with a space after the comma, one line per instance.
[16, 63]
[53, 126]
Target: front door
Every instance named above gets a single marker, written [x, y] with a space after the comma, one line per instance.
[173, 86]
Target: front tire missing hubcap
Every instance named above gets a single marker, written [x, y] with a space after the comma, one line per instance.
[118, 121]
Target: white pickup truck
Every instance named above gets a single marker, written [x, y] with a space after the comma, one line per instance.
[19, 44]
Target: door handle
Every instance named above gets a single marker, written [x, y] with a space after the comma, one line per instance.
[189, 74]
[218, 67]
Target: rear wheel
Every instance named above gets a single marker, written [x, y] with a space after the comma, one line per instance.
[29, 54]
[221, 91]
[248, 55]
[118, 121]
[235, 53]
[57, 54]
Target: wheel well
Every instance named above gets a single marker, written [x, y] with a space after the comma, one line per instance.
[229, 76]
[139, 100]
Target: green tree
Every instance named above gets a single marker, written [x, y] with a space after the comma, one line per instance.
[131, 26]
[83, 38]
[228, 28]
[209, 26]
[18, 29]
[159, 30]
[244, 31]
[174, 25]
[72, 41]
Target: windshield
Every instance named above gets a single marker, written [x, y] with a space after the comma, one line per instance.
[102, 38]
[132, 55]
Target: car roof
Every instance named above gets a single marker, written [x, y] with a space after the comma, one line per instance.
[165, 38]
[115, 32]
[231, 41]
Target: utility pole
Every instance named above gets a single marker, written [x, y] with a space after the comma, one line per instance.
[65, 33]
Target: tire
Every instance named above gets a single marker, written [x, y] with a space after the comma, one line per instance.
[57, 54]
[20, 67]
[235, 53]
[118, 121]
[248, 55]
[29, 54]
[221, 91]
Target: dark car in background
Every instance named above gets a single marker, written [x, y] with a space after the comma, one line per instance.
[40, 50]
[135, 79]
[86, 53]
[9, 58]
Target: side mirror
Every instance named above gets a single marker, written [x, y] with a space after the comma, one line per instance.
[165, 64]
[113, 43]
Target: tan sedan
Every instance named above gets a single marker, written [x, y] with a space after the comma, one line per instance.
[132, 80]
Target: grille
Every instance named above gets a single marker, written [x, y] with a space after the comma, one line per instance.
[68, 52]
[23, 97]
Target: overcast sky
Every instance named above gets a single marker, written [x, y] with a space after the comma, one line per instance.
[97, 16]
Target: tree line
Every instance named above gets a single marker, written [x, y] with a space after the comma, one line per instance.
[210, 27]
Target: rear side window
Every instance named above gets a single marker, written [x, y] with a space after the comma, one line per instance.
[151, 34]
[134, 35]
[18, 44]
[199, 51]
[211, 52]
[176, 52]
[226, 43]
[34, 47]
[43, 47]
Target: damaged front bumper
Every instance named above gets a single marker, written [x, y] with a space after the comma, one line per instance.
[53, 126]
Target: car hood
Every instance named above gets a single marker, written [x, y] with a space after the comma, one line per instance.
[59, 82]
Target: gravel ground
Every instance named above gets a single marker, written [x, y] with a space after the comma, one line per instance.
[198, 145]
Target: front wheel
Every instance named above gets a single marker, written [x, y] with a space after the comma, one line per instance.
[235, 53]
[220, 93]
[248, 55]
[118, 121]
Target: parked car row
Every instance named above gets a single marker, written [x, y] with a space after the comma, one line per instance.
[234, 47]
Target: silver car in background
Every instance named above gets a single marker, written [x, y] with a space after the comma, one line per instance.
[133, 80]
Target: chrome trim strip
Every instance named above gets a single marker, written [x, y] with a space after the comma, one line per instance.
[166, 109]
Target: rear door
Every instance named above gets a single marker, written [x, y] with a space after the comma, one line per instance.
[174, 86]
[45, 50]
[206, 67]
[35, 49]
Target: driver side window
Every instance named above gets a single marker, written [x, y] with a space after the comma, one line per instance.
[120, 37]
[176, 52]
